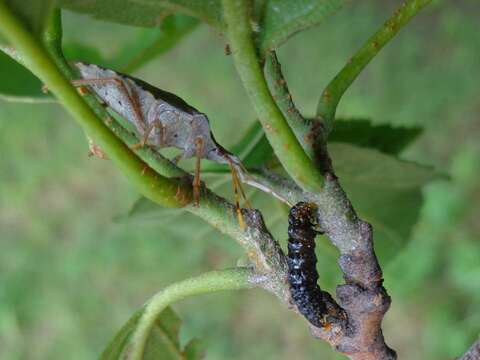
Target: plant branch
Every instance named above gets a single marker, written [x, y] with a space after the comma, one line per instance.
[336, 88]
[309, 132]
[283, 140]
[283, 98]
[230, 279]
[262, 249]
[362, 298]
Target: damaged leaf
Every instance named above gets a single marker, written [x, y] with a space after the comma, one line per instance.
[163, 342]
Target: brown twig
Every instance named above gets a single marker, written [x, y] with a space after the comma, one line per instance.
[362, 297]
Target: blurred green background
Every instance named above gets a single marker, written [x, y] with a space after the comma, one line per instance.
[73, 268]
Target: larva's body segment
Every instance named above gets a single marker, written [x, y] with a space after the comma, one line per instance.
[302, 272]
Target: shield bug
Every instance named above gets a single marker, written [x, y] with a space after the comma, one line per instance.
[161, 119]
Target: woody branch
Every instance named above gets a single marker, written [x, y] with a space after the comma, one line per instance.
[362, 296]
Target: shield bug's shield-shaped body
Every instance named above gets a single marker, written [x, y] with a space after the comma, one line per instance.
[162, 119]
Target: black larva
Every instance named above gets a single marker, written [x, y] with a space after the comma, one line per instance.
[302, 272]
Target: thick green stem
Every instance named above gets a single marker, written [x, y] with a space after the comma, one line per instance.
[341, 82]
[230, 279]
[156, 187]
[283, 98]
[283, 140]
[310, 133]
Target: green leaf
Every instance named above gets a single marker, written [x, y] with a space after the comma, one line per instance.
[81, 52]
[33, 14]
[385, 138]
[253, 149]
[148, 44]
[280, 19]
[162, 343]
[129, 12]
[369, 166]
[385, 191]
[117, 345]
[195, 349]
[19, 84]
[153, 42]
[147, 13]
[208, 11]
[273, 20]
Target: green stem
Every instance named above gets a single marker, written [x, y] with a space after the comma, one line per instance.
[230, 279]
[336, 88]
[283, 140]
[308, 132]
[156, 187]
[283, 98]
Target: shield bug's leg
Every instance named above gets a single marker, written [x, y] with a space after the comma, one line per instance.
[123, 88]
[196, 180]
[145, 136]
[239, 173]
[239, 184]
[237, 197]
